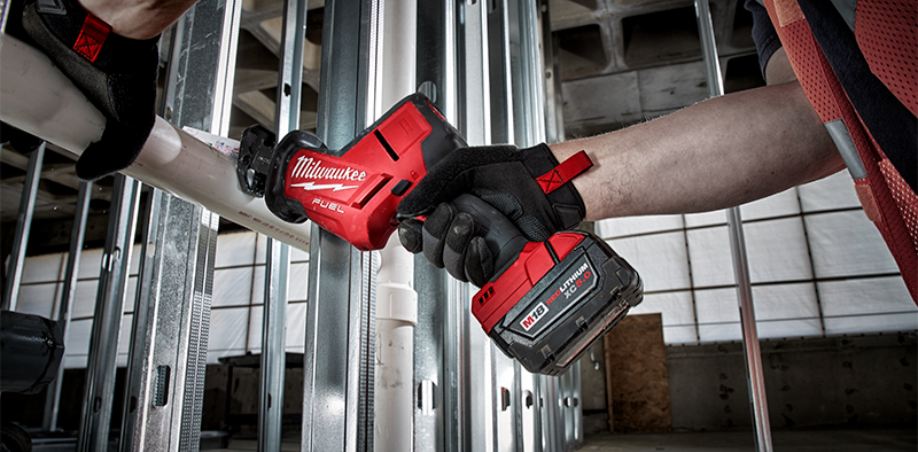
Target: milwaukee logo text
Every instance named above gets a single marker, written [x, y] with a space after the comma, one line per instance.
[309, 168]
[534, 316]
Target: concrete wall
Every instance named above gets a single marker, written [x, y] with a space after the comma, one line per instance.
[837, 381]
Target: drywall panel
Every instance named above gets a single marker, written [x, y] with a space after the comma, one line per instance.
[76, 350]
[780, 204]
[660, 260]
[785, 301]
[831, 193]
[680, 335]
[777, 251]
[296, 327]
[717, 306]
[298, 282]
[228, 332]
[675, 307]
[84, 300]
[856, 297]
[722, 332]
[90, 264]
[45, 268]
[706, 218]
[620, 227]
[235, 249]
[232, 286]
[712, 262]
[846, 244]
[777, 329]
[906, 322]
[38, 298]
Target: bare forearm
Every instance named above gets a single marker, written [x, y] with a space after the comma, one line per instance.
[138, 19]
[716, 154]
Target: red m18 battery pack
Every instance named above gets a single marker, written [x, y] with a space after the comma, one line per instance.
[556, 299]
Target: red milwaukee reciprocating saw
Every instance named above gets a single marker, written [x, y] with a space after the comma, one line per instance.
[548, 302]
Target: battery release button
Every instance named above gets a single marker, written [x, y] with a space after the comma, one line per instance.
[563, 243]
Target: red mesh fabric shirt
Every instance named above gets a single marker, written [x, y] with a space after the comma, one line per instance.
[866, 79]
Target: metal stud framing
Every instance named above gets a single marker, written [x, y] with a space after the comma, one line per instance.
[172, 314]
[23, 225]
[277, 259]
[439, 372]
[77, 234]
[106, 325]
[484, 69]
[338, 361]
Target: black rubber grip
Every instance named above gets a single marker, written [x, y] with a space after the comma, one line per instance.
[503, 238]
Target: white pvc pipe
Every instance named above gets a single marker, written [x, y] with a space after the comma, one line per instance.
[396, 318]
[37, 98]
[394, 27]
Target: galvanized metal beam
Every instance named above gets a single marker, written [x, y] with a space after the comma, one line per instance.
[68, 294]
[23, 225]
[506, 97]
[145, 311]
[440, 377]
[277, 260]
[106, 325]
[758, 402]
[340, 319]
[172, 312]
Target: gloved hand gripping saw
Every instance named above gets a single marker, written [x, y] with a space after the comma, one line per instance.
[354, 193]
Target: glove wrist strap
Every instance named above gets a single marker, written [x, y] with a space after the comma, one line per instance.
[564, 172]
[553, 178]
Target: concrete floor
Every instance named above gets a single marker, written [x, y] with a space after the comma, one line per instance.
[240, 445]
[835, 440]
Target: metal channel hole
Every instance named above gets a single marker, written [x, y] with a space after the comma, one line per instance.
[161, 386]
[429, 89]
[427, 397]
[504, 399]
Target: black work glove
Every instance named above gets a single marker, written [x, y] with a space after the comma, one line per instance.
[523, 185]
[117, 74]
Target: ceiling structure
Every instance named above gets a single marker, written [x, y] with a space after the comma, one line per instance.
[621, 62]
[627, 61]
